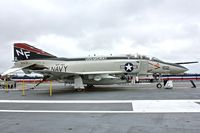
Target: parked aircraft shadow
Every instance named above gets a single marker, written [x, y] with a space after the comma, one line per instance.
[71, 90]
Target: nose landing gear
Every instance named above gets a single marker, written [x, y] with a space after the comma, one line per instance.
[159, 85]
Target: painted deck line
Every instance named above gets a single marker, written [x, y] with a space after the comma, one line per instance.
[166, 106]
[138, 106]
[60, 111]
[101, 101]
[66, 101]
[100, 112]
[132, 106]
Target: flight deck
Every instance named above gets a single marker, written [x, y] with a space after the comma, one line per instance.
[114, 108]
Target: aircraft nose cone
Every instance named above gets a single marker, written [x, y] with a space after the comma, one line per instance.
[183, 69]
[178, 69]
[186, 69]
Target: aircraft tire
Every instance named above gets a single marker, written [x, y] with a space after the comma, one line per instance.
[159, 85]
[90, 86]
[80, 90]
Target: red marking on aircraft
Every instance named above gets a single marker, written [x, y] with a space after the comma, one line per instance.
[156, 66]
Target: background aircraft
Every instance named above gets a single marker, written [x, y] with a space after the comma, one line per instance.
[97, 70]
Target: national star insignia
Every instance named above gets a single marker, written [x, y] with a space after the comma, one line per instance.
[128, 67]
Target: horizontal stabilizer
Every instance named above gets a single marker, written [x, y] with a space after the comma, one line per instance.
[10, 71]
[26, 67]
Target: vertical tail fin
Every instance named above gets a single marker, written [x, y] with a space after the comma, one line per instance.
[23, 51]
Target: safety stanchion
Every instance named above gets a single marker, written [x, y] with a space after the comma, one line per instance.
[50, 89]
[6, 86]
[23, 88]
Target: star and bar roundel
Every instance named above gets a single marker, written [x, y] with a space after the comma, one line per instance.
[128, 67]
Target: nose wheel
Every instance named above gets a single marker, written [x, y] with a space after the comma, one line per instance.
[159, 85]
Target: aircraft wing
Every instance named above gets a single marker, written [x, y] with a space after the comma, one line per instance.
[64, 75]
[52, 75]
[99, 72]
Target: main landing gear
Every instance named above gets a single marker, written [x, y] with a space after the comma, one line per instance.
[80, 90]
[90, 86]
[78, 84]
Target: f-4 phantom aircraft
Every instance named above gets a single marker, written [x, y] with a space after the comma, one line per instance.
[96, 70]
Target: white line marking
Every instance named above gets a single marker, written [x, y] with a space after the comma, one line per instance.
[104, 112]
[94, 101]
[167, 106]
[132, 106]
[140, 106]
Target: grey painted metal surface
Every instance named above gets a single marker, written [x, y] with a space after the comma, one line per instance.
[100, 123]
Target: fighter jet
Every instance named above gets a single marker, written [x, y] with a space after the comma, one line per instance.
[96, 70]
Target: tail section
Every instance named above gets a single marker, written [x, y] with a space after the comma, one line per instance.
[23, 51]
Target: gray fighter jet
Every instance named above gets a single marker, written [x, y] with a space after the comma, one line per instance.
[96, 70]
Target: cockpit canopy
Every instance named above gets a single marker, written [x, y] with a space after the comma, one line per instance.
[138, 56]
[156, 59]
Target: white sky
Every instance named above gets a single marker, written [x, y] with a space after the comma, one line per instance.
[166, 29]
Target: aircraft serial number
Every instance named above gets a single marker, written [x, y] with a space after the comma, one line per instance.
[95, 58]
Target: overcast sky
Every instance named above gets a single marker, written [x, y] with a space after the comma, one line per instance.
[166, 29]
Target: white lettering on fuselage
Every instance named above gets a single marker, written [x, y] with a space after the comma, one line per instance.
[59, 68]
[95, 58]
